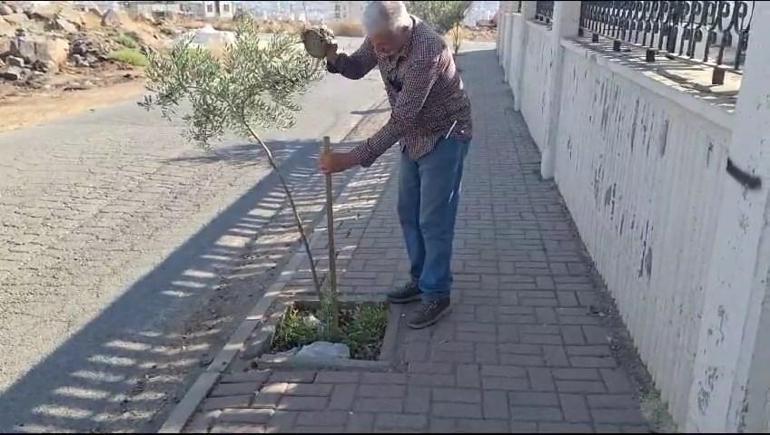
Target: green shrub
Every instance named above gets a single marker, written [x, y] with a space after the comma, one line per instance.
[130, 56]
[442, 15]
[127, 40]
[294, 330]
[365, 331]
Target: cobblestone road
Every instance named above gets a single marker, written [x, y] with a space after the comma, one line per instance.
[524, 349]
[113, 226]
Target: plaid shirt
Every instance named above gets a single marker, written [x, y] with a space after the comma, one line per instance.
[425, 91]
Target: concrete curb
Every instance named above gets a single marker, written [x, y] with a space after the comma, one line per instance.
[182, 412]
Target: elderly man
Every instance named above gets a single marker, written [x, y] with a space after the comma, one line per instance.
[431, 119]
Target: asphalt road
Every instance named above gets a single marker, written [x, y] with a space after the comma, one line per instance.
[115, 232]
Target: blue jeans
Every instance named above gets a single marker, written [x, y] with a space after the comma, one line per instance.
[429, 191]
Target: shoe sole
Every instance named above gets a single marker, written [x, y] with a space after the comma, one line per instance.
[431, 322]
[414, 298]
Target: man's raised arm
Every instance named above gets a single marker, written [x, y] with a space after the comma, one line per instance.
[353, 66]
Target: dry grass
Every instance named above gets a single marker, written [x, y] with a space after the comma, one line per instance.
[346, 28]
[479, 34]
[217, 49]
[224, 25]
[340, 28]
[143, 31]
[265, 26]
[280, 26]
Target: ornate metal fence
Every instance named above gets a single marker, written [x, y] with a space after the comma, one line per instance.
[713, 32]
[544, 12]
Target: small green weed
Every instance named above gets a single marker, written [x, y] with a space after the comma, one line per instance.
[127, 40]
[130, 56]
[364, 333]
[294, 330]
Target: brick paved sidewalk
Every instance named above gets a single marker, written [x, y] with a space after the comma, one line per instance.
[520, 351]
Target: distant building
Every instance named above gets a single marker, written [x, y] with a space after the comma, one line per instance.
[193, 9]
[218, 9]
[153, 9]
[349, 10]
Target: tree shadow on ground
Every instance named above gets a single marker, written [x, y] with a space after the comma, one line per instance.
[143, 363]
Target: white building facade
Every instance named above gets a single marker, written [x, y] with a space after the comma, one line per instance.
[349, 10]
[218, 9]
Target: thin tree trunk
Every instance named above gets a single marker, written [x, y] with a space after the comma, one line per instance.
[297, 218]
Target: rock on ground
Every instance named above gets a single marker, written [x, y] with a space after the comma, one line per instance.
[50, 52]
[14, 73]
[14, 61]
[6, 28]
[17, 19]
[322, 351]
[111, 19]
[65, 25]
[71, 15]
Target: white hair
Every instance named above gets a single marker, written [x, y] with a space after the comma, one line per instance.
[391, 16]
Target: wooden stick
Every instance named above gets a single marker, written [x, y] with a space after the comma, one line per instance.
[332, 250]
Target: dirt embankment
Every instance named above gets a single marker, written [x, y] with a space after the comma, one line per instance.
[56, 59]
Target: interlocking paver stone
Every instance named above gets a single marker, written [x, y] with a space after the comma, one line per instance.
[533, 399]
[417, 400]
[456, 410]
[212, 403]
[461, 395]
[378, 405]
[294, 403]
[322, 418]
[520, 351]
[256, 416]
[342, 396]
[574, 408]
[495, 404]
[309, 390]
[360, 422]
[401, 421]
[536, 413]
[564, 428]
[293, 377]
[242, 388]
[383, 391]
[338, 377]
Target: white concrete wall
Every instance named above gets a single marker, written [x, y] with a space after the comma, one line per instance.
[515, 62]
[536, 73]
[641, 176]
[683, 246]
[511, 67]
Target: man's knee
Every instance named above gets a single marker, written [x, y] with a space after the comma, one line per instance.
[436, 226]
[408, 212]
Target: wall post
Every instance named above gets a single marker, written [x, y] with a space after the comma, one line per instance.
[566, 22]
[731, 382]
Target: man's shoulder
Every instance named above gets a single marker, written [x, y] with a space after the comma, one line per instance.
[427, 43]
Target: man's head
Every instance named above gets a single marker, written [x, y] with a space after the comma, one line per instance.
[387, 24]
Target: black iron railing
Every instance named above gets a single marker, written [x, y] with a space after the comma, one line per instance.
[544, 12]
[713, 32]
